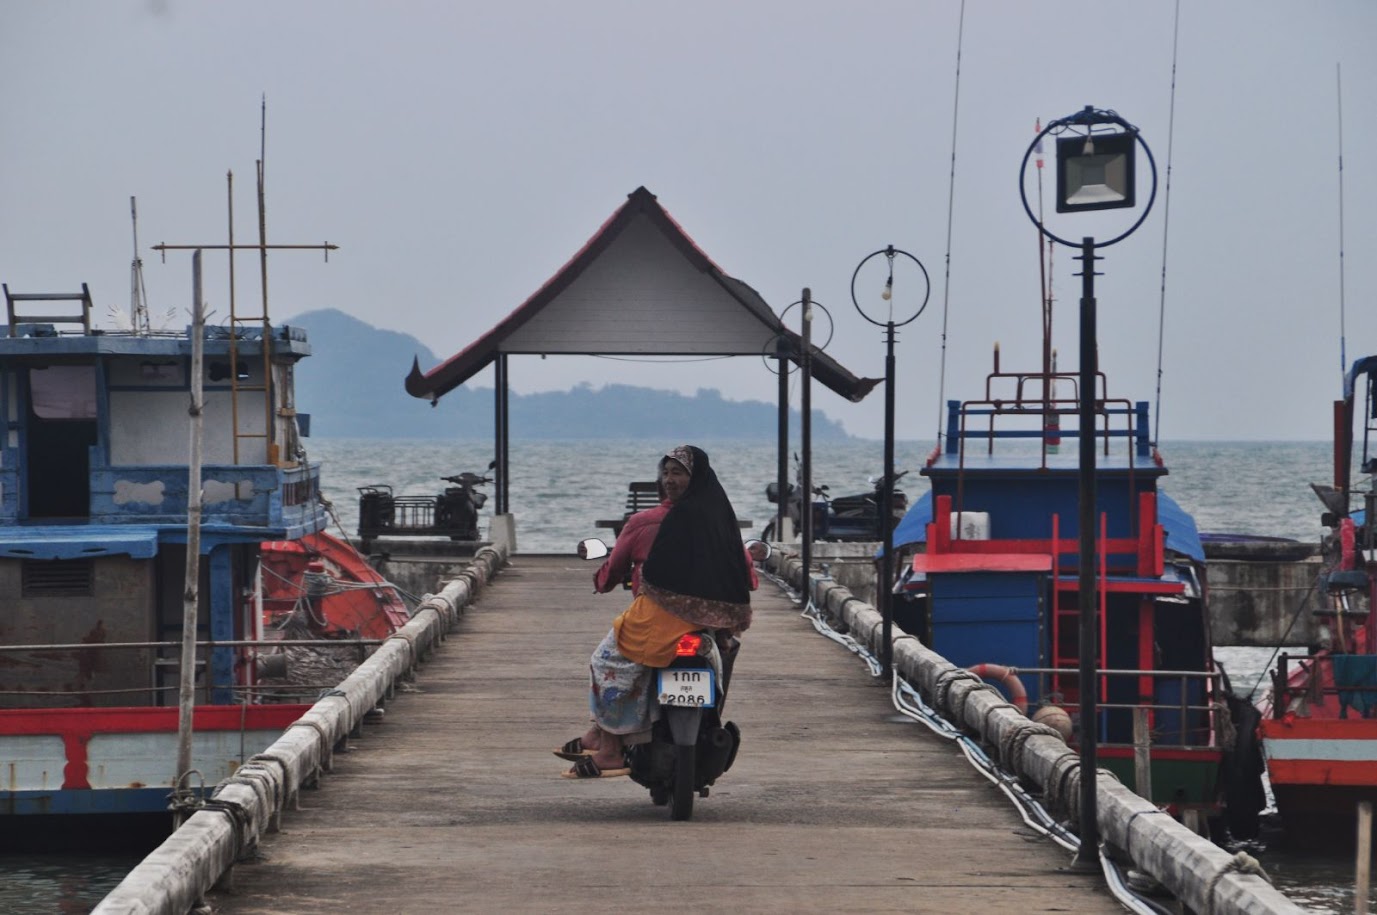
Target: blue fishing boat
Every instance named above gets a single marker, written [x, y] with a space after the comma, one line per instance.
[95, 529]
[993, 585]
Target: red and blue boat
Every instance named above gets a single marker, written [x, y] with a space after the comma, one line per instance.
[1319, 728]
[993, 585]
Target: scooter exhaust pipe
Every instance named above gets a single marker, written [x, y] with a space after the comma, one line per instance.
[717, 752]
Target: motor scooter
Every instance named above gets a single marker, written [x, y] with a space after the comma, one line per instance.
[844, 518]
[690, 745]
[453, 513]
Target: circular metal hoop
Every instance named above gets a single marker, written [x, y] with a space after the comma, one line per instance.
[891, 252]
[768, 357]
[1104, 117]
[831, 328]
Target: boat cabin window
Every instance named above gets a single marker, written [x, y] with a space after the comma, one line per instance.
[64, 392]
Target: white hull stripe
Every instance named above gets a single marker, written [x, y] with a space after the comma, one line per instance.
[1327, 750]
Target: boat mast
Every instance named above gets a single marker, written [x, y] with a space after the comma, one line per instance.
[1166, 222]
[1343, 333]
[138, 295]
[951, 199]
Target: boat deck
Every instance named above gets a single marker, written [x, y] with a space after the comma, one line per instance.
[453, 801]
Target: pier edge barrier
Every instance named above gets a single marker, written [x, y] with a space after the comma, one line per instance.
[1201, 874]
[176, 875]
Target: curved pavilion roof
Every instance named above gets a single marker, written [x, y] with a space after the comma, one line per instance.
[640, 286]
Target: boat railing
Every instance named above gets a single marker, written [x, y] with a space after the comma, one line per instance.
[238, 495]
[380, 512]
[1181, 716]
[1033, 412]
[1336, 683]
[165, 668]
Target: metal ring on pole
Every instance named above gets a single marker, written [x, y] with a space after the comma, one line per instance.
[1077, 119]
[816, 304]
[890, 253]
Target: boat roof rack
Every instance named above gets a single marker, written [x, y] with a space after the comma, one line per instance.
[84, 318]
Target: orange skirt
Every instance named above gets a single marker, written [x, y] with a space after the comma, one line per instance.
[647, 633]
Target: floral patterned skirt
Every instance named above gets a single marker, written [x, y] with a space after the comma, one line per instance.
[620, 696]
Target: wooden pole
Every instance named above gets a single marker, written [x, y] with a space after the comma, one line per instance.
[187, 694]
[1364, 869]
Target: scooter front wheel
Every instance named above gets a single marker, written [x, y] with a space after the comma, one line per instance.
[681, 802]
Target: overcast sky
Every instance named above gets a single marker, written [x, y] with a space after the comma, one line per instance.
[460, 152]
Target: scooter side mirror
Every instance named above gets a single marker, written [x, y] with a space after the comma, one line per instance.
[592, 548]
[759, 550]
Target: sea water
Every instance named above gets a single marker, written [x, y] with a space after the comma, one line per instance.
[559, 489]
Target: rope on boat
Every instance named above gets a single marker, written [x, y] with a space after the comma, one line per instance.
[1305, 602]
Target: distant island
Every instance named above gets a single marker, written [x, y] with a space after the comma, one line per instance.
[352, 388]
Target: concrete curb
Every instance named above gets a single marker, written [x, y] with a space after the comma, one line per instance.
[1201, 874]
[177, 874]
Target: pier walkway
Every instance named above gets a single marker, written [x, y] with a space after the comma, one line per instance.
[453, 802]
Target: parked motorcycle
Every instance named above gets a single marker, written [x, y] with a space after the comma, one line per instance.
[453, 513]
[690, 747]
[456, 509]
[844, 518]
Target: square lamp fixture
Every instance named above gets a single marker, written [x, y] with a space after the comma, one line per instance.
[1095, 172]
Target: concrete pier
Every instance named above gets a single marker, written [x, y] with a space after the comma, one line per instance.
[452, 801]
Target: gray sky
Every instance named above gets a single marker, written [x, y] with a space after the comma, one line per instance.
[461, 152]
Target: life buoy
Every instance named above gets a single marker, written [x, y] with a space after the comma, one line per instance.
[1008, 678]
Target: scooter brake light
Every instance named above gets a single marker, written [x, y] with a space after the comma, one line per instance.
[689, 645]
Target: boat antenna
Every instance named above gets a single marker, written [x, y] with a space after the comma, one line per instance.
[138, 295]
[1343, 332]
[951, 197]
[1044, 290]
[1166, 224]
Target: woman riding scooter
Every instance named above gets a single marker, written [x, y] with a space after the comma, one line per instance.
[695, 575]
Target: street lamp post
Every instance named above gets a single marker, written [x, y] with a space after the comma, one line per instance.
[1095, 171]
[884, 585]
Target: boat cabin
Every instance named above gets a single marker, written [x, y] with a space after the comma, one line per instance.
[94, 477]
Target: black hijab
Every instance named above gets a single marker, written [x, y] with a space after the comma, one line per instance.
[697, 565]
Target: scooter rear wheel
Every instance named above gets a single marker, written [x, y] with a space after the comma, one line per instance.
[681, 803]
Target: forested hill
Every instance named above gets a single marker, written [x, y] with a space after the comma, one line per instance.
[352, 387]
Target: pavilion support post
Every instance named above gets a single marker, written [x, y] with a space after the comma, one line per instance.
[806, 447]
[503, 494]
[782, 525]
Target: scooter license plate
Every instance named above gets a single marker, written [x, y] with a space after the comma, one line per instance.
[688, 687]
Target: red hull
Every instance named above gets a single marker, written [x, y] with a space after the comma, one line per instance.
[331, 587]
[1320, 768]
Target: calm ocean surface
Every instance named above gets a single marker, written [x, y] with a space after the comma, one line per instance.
[558, 489]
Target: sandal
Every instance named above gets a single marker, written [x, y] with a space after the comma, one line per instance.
[586, 768]
[574, 750]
